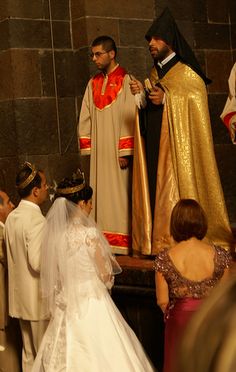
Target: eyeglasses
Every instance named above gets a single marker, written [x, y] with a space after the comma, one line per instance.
[98, 54]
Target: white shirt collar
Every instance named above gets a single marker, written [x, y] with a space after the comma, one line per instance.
[167, 59]
[1, 224]
[23, 201]
[114, 68]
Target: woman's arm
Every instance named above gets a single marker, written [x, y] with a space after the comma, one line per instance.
[162, 291]
[103, 267]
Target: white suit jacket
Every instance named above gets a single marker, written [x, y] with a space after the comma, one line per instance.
[3, 289]
[23, 236]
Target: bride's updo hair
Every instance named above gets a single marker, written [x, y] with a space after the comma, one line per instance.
[74, 189]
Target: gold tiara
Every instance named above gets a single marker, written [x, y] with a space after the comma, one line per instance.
[71, 190]
[30, 178]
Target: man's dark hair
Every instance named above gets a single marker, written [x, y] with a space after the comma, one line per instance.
[22, 175]
[188, 220]
[107, 43]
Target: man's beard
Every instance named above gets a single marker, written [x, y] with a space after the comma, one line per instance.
[102, 68]
[162, 54]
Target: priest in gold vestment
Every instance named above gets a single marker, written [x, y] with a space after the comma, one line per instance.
[181, 163]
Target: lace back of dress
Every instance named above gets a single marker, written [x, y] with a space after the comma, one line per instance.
[74, 254]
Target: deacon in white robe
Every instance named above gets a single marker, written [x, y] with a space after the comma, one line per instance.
[105, 132]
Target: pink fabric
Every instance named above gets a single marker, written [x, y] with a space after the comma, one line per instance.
[177, 317]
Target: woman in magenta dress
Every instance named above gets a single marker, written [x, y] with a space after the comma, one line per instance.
[186, 272]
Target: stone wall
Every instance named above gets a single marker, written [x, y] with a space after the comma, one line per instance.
[44, 68]
[37, 95]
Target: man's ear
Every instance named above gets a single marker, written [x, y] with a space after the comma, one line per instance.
[35, 191]
[112, 54]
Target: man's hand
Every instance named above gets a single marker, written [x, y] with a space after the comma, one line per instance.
[124, 162]
[136, 87]
[156, 96]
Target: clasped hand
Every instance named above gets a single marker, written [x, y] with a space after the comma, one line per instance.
[136, 87]
[156, 95]
[124, 162]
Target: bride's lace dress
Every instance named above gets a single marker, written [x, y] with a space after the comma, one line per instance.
[87, 333]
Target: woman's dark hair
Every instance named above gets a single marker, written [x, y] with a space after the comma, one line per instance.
[188, 220]
[21, 177]
[84, 194]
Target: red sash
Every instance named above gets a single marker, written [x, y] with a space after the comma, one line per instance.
[118, 240]
[113, 87]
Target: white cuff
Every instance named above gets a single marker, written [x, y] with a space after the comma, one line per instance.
[140, 100]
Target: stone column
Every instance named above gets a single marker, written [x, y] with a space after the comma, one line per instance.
[37, 96]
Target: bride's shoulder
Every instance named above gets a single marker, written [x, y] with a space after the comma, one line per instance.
[82, 229]
[91, 232]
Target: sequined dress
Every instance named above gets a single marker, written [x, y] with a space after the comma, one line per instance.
[185, 298]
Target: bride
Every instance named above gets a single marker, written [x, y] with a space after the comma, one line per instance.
[86, 332]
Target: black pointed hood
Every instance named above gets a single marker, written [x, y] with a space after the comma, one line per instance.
[166, 29]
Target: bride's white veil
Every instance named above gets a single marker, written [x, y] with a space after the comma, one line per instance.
[56, 276]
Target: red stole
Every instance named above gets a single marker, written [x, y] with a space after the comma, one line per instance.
[104, 93]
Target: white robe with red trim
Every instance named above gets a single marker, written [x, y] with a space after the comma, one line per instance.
[229, 113]
[105, 132]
